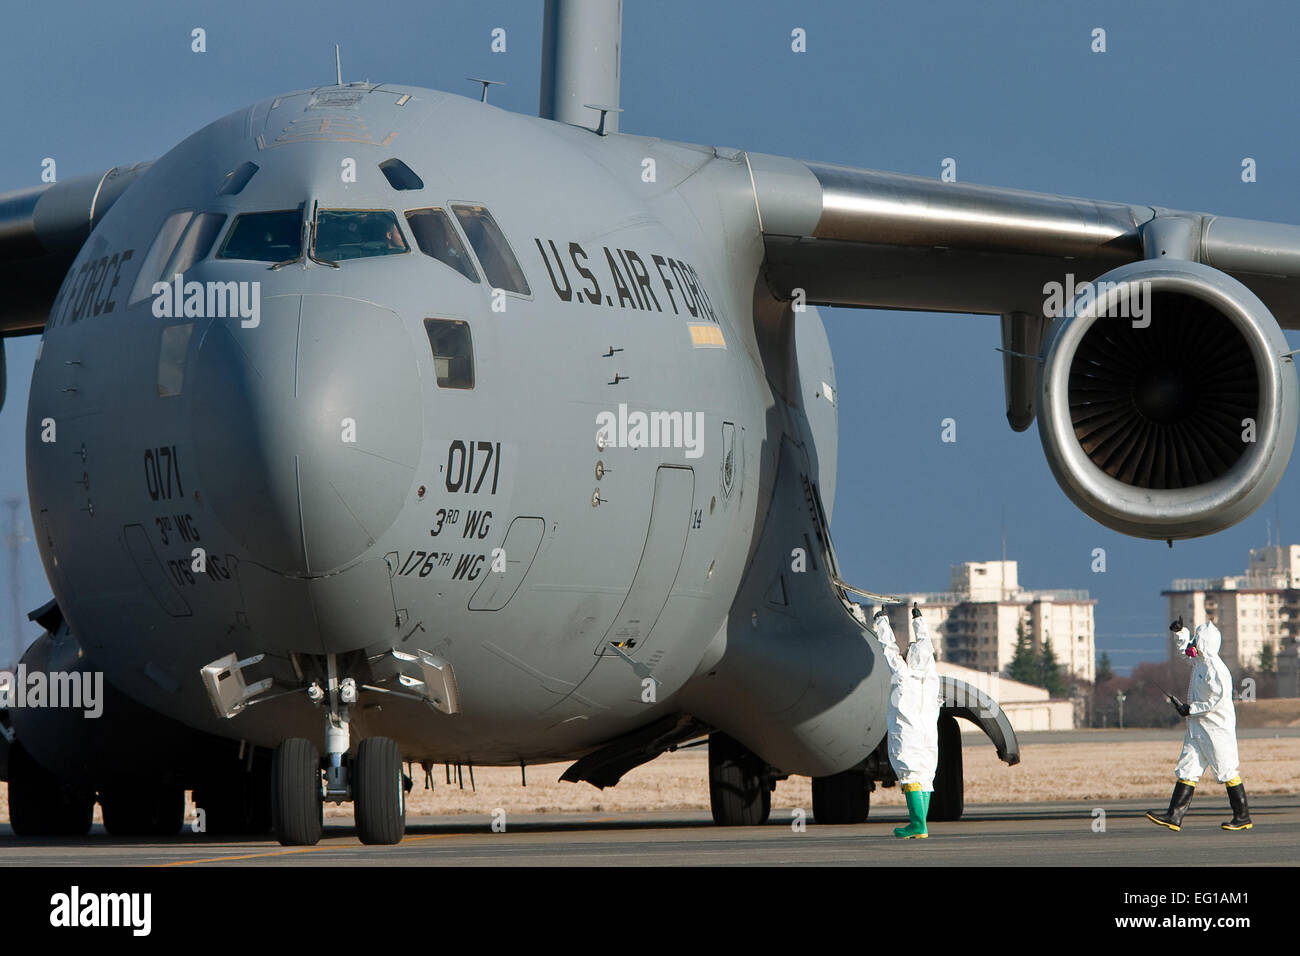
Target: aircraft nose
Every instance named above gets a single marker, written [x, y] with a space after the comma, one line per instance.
[307, 428]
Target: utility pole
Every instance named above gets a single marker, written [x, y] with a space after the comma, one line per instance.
[15, 539]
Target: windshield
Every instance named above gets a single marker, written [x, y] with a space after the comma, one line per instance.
[265, 236]
[357, 234]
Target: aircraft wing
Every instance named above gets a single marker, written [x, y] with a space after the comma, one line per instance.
[1168, 430]
[41, 231]
[1174, 418]
[859, 237]
[850, 237]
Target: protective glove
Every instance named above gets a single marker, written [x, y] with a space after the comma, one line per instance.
[1177, 625]
[1183, 710]
[916, 611]
[879, 614]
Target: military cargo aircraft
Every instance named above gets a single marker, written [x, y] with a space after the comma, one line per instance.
[349, 452]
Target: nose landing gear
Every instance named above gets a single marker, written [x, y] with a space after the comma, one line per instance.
[379, 792]
[373, 779]
[297, 805]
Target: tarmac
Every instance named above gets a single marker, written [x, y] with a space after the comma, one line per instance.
[1004, 834]
[974, 738]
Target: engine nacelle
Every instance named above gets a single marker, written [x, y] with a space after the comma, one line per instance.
[1167, 407]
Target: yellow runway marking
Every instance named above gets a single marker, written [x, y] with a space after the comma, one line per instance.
[306, 849]
[317, 849]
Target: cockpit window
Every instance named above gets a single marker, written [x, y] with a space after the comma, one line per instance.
[237, 179]
[159, 252]
[195, 242]
[184, 239]
[357, 234]
[400, 175]
[453, 352]
[265, 236]
[437, 237]
[499, 264]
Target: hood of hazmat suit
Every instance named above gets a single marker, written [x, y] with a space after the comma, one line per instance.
[914, 701]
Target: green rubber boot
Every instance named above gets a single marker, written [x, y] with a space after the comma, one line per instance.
[916, 810]
[927, 794]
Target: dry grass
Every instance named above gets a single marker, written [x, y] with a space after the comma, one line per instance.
[679, 781]
[1274, 712]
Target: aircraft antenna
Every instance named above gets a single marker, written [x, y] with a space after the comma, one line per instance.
[486, 84]
[338, 65]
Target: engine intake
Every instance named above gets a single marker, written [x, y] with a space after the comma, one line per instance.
[1168, 407]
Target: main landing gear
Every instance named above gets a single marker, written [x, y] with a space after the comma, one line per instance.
[740, 789]
[142, 809]
[844, 797]
[40, 804]
[741, 783]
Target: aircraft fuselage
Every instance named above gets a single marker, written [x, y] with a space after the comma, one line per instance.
[290, 478]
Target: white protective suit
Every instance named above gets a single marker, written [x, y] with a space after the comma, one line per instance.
[914, 701]
[1211, 739]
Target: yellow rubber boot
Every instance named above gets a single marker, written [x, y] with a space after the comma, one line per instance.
[1178, 804]
[1240, 811]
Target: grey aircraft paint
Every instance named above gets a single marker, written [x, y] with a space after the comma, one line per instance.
[506, 579]
[317, 545]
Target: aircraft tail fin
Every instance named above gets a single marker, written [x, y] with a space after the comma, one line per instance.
[581, 51]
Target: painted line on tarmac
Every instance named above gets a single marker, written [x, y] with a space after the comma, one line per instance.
[307, 849]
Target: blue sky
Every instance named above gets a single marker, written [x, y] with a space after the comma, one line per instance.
[1010, 90]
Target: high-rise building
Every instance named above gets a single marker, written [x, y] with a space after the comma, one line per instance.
[975, 624]
[1252, 610]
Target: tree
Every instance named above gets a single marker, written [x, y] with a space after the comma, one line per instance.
[1147, 705]
[1025, 665]
[1104, 671]
[1267, 658]
[1050, 671]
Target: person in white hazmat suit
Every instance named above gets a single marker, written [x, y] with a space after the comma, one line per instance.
[1211, 739]
[913, 718]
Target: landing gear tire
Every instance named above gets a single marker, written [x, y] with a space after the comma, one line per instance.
[740, 794]
[842, 798]
[40, 804]
[949, 800]
[379, 792]
[297, 805]
[135, 810]
[238, 803]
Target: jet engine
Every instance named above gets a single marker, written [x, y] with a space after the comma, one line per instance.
[1167, 399]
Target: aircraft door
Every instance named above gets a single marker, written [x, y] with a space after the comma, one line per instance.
[517, 551]
[665, 544]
